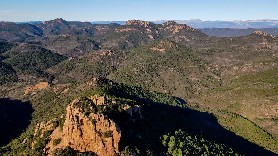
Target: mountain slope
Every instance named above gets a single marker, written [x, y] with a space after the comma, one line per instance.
[34, 62]
[7, 73]
[19, 32]
[165, 66]
[83, 68]
[228, 32]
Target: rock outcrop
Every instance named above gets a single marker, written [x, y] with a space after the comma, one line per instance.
[176, 28]
[120, 30]
[89, 125]
[85, 132]
[37, 87]
[145, 24]
[98, 100]
[57, 20]
[262, 33]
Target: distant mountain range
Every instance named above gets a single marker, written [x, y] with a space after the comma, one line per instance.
[200, 24]
[256, 24]
[221, 28]
[232, 32]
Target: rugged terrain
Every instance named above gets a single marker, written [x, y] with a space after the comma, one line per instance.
[229, 32]
[136, 89]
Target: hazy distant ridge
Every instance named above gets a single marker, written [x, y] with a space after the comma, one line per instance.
[199, 24]
[256, 24]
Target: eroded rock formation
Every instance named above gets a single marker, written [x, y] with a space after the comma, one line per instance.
[262, 33]
[145, 24]
[87, 126]
[175, 27]
[86, 133]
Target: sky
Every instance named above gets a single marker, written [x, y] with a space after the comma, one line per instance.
[150, 10]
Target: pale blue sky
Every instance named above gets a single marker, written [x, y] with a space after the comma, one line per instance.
[107, 10]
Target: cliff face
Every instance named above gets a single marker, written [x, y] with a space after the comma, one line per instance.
[89, 125]
[86, 133]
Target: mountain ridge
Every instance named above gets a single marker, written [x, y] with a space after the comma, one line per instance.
[200, 24]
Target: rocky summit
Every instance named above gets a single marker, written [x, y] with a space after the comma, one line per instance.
[139, 23]
[85, 132]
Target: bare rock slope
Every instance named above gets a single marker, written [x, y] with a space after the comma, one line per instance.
[85, 130]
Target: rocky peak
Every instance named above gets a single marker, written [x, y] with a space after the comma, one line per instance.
[174, 27]
[168, 23]
[85, 131]
[58, 21]
[140, 23]
[262, 33]
[87, 126]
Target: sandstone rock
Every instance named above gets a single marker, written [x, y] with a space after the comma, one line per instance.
[86, 128]
[175, 28]
[145, 24]
[86, 133]
[158, 49]
[262, 33]
[105, 52]
[125, 30]
[37, 87]
[42, 128]
[98, 100]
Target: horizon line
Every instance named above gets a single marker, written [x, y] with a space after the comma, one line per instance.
[238, 20]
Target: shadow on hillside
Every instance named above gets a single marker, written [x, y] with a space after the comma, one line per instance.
[15, 117]
[160, 119]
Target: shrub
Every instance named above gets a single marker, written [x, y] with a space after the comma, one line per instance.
[107, 134]
[57, 141]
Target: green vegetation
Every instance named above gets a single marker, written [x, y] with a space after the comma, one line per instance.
[57, 141]
[87, 106]
[267, 76]
[108, 134]
[174, 70]
[132, 151]
[7, 73]
[4, 46]
[41, 142]
[243, 102]
[247, 129]
[34, 62]
[85, 67]
[181, 143]
[107, 87]
[71, 152]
